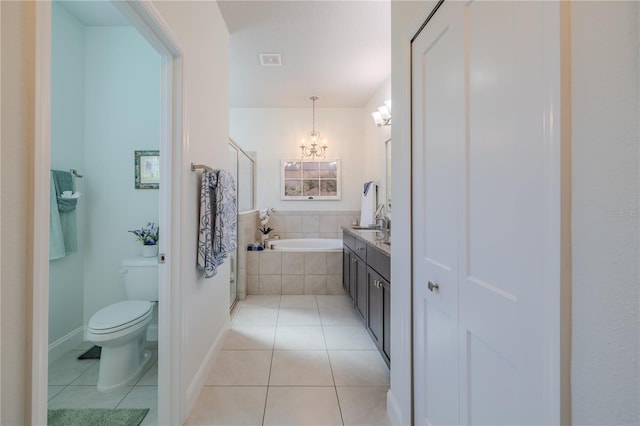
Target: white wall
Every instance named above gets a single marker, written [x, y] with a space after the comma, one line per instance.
[374, 140]
[66, 275]
[204, 38]
[122, 104]
[275, 134]
[605, 365]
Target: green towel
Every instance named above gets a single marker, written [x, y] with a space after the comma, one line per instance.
[63, 181]
[56, 240]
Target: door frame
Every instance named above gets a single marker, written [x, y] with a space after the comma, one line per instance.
[147, 20]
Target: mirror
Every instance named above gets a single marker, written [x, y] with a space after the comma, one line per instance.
[387, 149]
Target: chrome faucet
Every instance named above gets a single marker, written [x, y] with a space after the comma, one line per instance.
[384, 225]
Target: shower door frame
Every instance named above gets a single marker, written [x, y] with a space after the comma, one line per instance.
[148, 21]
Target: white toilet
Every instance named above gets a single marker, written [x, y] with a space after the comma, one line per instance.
[121, 329]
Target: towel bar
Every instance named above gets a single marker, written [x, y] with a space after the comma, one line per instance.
[75, 173]
[195, 167]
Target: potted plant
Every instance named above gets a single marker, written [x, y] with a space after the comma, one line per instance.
[264, 219]
[148, 236]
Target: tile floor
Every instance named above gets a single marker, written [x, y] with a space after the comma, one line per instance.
[295, 360]
[72, 384]
[286, 360]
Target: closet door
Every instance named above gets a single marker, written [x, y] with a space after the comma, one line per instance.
[485, 220]
[437, 138]
[505, 237]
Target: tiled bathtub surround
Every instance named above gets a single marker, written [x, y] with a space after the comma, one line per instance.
[273, 272]
[310, 224]
[247, 229]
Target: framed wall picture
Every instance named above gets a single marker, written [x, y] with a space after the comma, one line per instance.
[147, 169]
[310, 180]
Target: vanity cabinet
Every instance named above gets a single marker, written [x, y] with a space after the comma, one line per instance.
[354, 273]
[366, 279]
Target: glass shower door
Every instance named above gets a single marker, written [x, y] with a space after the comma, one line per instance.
[233, 258]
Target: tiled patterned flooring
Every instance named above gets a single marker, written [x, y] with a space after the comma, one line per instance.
[295, 360]
[286, 360]
[72, 384]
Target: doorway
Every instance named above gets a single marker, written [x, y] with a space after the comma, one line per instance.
[146, 20]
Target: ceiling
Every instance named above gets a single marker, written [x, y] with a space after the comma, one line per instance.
[338, 50]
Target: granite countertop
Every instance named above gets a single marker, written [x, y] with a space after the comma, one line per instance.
[370, 237]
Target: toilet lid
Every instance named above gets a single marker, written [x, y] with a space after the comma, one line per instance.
[120, 315]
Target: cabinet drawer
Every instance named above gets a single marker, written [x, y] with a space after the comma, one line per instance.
[349, 240]
[361, 249]
[380, 262]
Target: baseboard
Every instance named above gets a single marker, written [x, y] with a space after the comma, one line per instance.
[66, 343]
[196, 385]
[393, 411]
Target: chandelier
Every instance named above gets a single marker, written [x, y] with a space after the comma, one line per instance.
[313, 150]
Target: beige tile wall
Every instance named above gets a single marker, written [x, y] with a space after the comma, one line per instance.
[310, 224]
[247, 229]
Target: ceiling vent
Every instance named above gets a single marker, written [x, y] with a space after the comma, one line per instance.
[270, 59]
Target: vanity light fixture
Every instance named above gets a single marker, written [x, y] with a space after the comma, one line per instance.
[313, 150]
[382, 116]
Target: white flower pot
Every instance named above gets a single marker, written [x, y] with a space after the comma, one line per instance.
[150, 251]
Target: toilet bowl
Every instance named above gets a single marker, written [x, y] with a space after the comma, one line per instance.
[121, 328]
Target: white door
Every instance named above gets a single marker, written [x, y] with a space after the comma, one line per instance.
[484, 224]
[438, 134]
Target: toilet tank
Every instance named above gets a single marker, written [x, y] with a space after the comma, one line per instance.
[141, 278]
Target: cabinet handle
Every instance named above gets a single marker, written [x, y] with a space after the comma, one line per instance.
[360, 248]
[433, 287]
[354, 260]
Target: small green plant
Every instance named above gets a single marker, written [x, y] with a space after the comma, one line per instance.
[147, 235]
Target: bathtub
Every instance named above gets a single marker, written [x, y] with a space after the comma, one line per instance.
[296, 266]
[306, 245]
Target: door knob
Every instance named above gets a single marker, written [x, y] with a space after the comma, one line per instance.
[432, 286]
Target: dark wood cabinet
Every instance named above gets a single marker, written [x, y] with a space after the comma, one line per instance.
[386, 322]
[354, 271]
[360, 279]
[366, 279]
[347, 282]
[376, 314]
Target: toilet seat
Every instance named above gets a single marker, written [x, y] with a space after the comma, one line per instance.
[120, 316]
